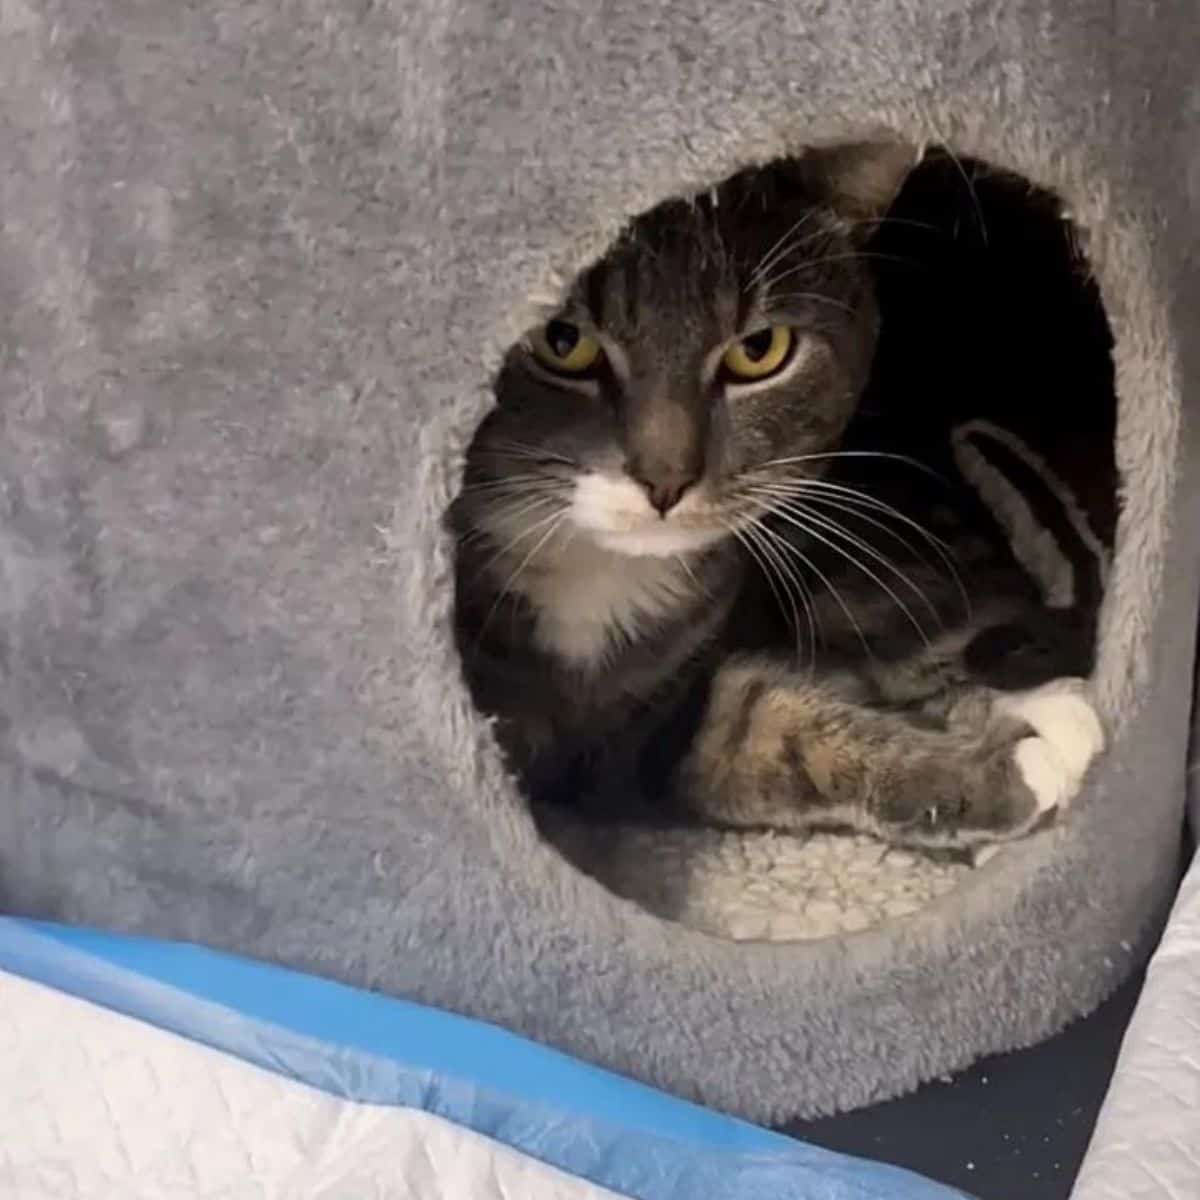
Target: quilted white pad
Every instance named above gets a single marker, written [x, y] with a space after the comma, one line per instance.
[98, 1106]
[1147, 1141]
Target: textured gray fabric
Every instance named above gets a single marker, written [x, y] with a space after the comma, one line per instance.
[258, 260]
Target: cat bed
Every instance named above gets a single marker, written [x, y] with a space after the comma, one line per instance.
[260, 266]
[135, 1068]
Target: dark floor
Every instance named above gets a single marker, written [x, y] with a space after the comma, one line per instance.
[1014, 1125]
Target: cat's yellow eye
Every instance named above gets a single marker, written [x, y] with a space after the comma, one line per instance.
[759, 354]
[565, 348]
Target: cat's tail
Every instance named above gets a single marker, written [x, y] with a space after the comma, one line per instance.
[1056, 545]
[1047, 530]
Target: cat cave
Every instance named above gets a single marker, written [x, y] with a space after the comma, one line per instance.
[968, 262]
[253, 314]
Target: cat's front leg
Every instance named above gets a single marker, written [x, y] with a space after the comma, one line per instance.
[755, 762]
[776, 750]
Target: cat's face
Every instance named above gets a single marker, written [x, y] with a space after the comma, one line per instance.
[712, 356]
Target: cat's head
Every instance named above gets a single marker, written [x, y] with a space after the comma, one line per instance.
[699, 366]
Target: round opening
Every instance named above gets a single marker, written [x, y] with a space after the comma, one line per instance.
[936, 334]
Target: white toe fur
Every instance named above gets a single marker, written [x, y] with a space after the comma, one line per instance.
[1069, 736]
[1043, 772]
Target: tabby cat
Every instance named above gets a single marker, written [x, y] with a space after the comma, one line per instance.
[664, 591]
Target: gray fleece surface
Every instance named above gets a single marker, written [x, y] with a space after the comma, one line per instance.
[257, 262]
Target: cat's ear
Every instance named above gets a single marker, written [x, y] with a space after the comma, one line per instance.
[860, 180]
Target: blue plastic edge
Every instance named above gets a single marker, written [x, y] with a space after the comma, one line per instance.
[370, 1048]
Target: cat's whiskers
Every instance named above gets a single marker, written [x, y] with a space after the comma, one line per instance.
[787, 547]
[906, 222]
[796, 587]
[971, 191]
[800, 517]
[685, 566]
[561, 546]
[783, 246]
[856, 505]
[505, 512]
[862, 513]
[772, 283]
[808, 528]
[771, 573]
[807, 486]
[508, 483]
[783, 299]
[509, 508]
[827, 492]
[770, 567]
[526, 451]
[529, 507]
[550, 525]
[860, 508]
[824, 455]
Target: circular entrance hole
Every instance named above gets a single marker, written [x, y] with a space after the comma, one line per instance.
[978, 448]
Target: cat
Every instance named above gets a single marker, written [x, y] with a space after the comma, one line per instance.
[664, 590]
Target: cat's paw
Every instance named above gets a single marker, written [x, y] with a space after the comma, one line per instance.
[1068, 736]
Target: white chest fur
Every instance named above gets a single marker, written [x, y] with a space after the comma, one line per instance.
[589, 599]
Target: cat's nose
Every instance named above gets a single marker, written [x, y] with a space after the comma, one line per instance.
[663, 484]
